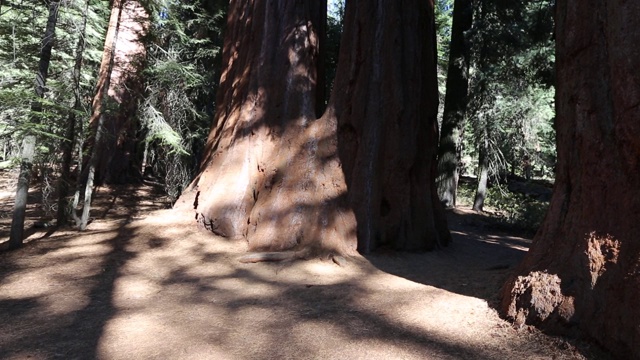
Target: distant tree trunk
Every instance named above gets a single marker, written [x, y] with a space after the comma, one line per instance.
[277, 176]
[455, 104]
[483, 174]
[100, 102]
[116, 100]
[29, 142]
[582, 273]
[69, 140]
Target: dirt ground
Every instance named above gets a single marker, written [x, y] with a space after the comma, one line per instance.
[145, 283]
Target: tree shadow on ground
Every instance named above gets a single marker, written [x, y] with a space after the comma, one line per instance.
[59, 311]
[476, 263]
[148, 287]
[57, 290]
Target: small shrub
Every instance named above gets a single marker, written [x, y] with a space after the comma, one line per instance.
[515, 210]
[518, 210]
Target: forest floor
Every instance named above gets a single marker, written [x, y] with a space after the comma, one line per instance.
[146, 283]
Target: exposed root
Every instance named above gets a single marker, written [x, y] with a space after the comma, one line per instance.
[270, 256]
[339, 260]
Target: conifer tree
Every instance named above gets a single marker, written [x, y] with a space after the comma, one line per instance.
[29, 142]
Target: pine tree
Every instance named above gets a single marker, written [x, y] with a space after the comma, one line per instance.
[29, 142]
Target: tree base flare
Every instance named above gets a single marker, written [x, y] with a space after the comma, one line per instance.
[537, 299]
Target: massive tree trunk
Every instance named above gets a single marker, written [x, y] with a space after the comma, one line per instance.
[115, 102]
[281, 178]
[386, 102]
[582, 273]
[29, 142]
[455, 104]
[270, 171]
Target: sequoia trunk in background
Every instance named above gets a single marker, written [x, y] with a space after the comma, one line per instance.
[29, 142]
[277, 176]
[582, 273]
[386, 102]
[116, 98]
[455, 104]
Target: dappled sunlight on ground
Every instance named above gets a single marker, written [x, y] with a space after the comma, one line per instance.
[154, 286]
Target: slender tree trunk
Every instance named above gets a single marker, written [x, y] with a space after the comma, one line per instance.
[455, 104]
[483, 174]
[276, 175]
[69, 140]
[582, 273]
[104, 84]
[29, 142]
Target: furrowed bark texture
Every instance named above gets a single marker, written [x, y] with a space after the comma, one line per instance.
[455, 104]
[116, 94]
[271, 172]
[385, 99]
[277, 176]
[582, 273]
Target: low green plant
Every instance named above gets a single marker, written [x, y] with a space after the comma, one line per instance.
[517, 211]
[520, 211]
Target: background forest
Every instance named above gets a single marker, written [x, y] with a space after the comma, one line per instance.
[505, 129]
[311, 130]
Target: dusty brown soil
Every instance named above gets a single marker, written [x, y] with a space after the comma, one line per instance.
[144, 283]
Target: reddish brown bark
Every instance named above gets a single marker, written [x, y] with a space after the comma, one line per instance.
[118, 85]
[386, 101]
[275, 175]
[582, 273]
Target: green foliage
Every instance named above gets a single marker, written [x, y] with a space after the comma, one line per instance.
[517, 210]
[24, 22]
[466, 193]
[511, 85]
[443, 16]
[335, 19]
[24, 26]
[514, 210]
[183, 49]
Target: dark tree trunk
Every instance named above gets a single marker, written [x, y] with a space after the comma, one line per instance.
[320, 19]
[483, 174]
[277, 176]
[455, 104]
[582, 273]
[69, 140]
[29, 142]
[386, 102]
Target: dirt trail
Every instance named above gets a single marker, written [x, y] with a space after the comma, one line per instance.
[149, 285]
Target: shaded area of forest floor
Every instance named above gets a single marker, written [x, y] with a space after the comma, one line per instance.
[144, 283]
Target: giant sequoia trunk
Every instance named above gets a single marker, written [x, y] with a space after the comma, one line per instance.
[455, 104]
[386, 102]
[582, 273]
[115, 102]
[359, 175]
